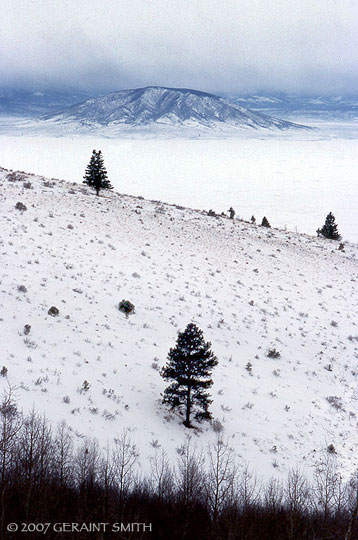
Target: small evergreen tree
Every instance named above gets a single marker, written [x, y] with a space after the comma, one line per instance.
[330, 228]
[189, 365]
[265, 222]
[231, 212]
[96, 173]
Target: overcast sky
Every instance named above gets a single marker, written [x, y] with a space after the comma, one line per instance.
[224, 46]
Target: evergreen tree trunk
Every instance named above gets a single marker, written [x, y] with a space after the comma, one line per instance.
[188, 407]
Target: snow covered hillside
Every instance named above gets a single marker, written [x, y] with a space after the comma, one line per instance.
[251, 290]
[295, 182]
[160, 107]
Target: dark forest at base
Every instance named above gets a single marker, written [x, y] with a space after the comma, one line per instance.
[46, 478]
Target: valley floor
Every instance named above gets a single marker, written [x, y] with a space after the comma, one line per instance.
[295, 179]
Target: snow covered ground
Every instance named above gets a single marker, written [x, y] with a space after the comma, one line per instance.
[293, 179]
[250, 289]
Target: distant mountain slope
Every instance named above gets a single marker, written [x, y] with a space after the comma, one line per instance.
[141, 107]
[286, 106]
[32, 104]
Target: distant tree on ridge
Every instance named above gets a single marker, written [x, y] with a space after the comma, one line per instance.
[265, 222]
[96, 173]
[330, 228]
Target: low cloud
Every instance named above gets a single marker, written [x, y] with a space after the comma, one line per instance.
[231, 46]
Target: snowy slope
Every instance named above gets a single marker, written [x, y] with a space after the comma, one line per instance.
[250, 290]
[167, 107]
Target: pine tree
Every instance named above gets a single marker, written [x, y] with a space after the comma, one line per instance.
[330, 228]
[189, 365]
[265, 222]
[96, 173]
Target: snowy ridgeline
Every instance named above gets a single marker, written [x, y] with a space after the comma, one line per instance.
[156, 105]
[251, 290]
[294, 183]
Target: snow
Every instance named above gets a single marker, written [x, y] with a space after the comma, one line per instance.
[145, 107]
[248, 288]
[294, 180]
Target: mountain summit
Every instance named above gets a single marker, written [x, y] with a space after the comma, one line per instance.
[156, 105]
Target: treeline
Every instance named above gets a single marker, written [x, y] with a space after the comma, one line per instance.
[46, 478]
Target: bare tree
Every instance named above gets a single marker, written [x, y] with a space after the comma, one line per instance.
[124, 457]
[189, 481]
[45, 453]
[189, 474]
[328, 487]
[28, 456]
[63, 454]
[354, 504]
[248, 489]
[220, 478]
[107, 474]
[297, 492]
[298, 500]
[161, 475]
[87, 460]
[10, 425]
[273, 495]
[86, 473]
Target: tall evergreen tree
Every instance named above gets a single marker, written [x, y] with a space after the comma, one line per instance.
[330, 228]
[96, 173]
[189, 365]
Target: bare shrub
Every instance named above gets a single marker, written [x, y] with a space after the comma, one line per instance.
[273, 353]
[217, 426]
[335, 402]
[126, 307]
[15, 176]
[20, 206]
[22, 288]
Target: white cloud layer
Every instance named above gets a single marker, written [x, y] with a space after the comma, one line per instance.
[220, 46]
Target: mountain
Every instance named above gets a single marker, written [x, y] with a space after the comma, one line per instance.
[32, 104]
[159, 106]
[252, 291]
[48, 102]
[292, 106]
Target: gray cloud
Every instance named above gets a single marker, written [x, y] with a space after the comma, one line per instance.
[220, 46]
